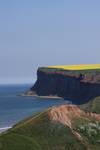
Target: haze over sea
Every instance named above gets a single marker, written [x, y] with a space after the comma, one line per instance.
[14, 108]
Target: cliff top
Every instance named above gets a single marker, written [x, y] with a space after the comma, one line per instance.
[77, 67]
[89, 73]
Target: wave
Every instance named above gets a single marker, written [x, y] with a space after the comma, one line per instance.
[5, 128]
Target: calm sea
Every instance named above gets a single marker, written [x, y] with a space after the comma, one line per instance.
[14, 108]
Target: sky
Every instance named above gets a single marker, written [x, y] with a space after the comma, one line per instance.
[35, 33]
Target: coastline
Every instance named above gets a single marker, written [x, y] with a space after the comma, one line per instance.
[48, 97]
[28, 94]
[3, 129]
[33, 94]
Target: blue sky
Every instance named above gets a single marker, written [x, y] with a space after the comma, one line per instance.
[40, 33]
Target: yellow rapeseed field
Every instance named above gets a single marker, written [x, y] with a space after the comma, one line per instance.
[77, 67]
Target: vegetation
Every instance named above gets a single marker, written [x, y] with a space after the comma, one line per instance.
[40, 133]
[92, 106]
[90, 132]
[71, 70]
[78, 67]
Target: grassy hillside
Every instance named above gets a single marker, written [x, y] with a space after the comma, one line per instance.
[41, 133]
[92, 106]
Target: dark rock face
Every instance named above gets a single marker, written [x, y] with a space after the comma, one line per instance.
[75, 88]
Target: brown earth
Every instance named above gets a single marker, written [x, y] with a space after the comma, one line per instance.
[66, 114]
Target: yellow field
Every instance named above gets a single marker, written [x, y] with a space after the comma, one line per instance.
[77, 67]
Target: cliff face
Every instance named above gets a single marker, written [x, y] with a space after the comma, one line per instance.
[65, 114]
[79, 87]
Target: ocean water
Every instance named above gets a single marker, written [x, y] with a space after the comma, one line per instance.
[14, 108]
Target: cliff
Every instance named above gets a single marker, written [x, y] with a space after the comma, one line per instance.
[78, 86]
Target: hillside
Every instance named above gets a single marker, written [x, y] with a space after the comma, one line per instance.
[92, 106]
[64, 127]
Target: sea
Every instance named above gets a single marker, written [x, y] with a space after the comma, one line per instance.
[14, 107]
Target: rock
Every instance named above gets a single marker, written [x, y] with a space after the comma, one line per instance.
[73, 85]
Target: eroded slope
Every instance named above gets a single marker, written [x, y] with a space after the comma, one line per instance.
[63, 127]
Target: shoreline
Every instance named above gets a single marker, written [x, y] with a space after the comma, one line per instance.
[3, 129]
[41, 97]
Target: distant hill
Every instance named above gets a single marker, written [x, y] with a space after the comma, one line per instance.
[64, 127]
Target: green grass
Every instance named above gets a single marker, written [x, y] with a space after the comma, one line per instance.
[89, 133]
[40, 134]
[92, 106]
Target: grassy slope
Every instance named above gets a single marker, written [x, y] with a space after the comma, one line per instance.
[92, 106]
[40, 134]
